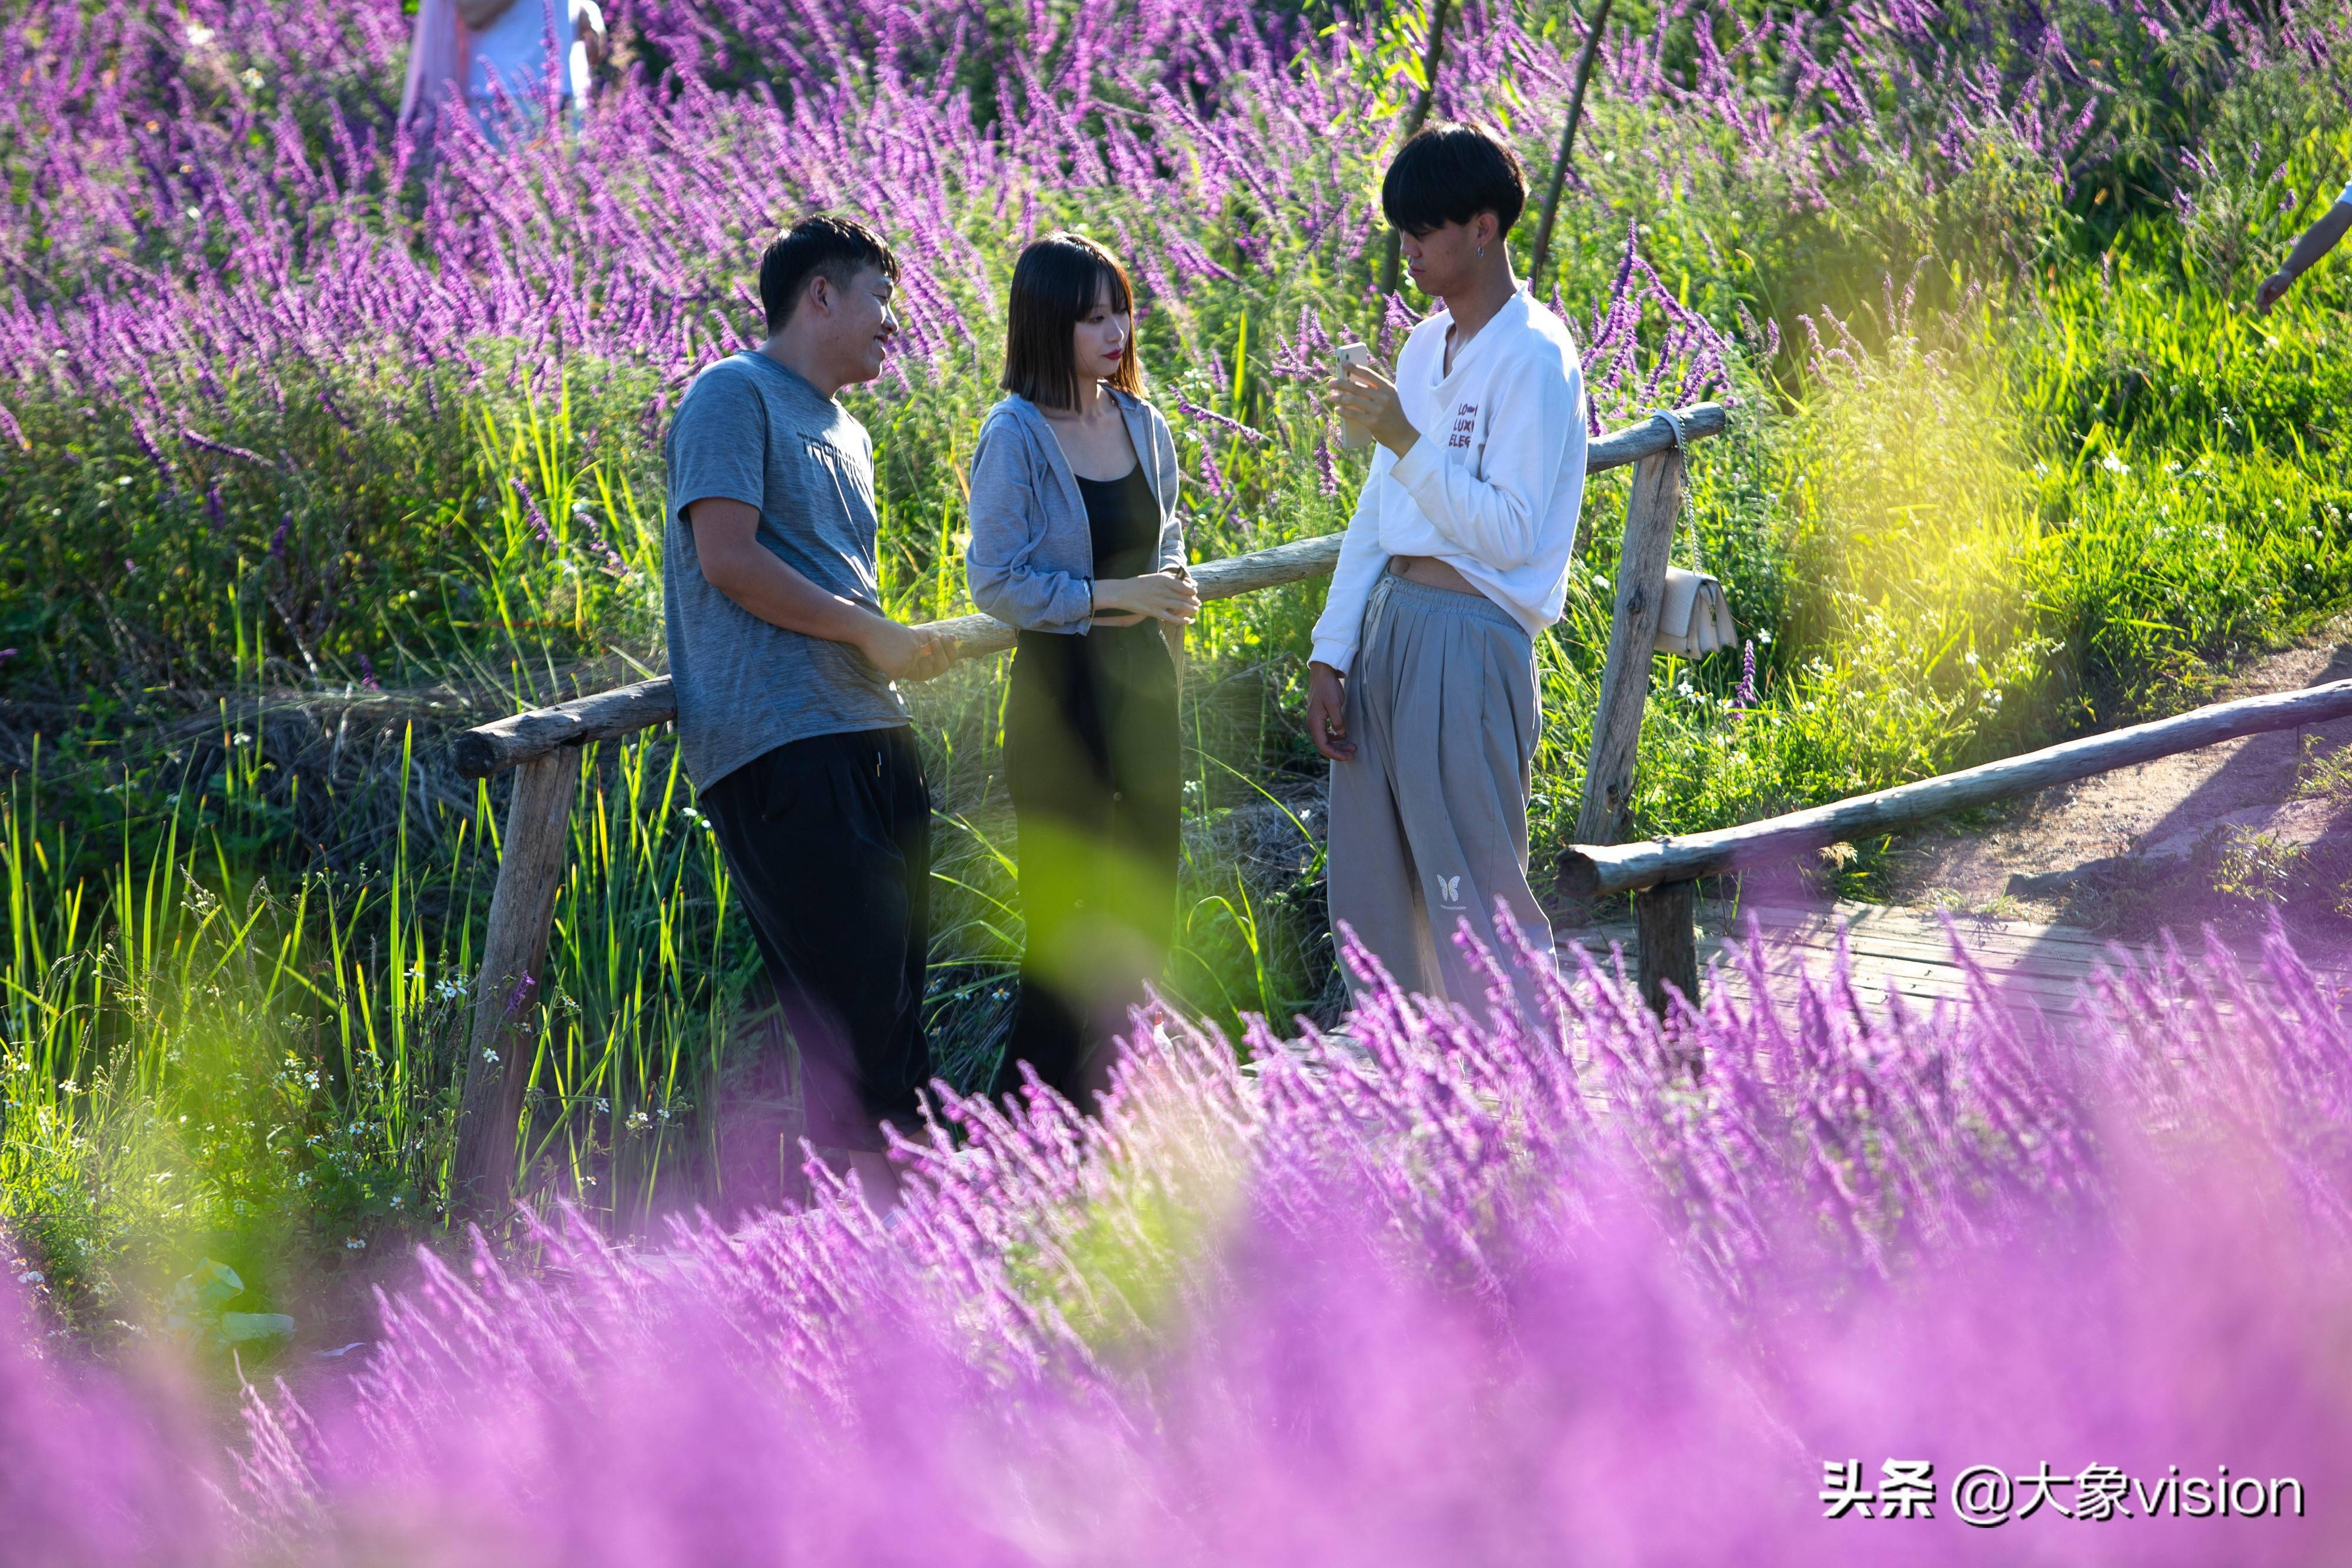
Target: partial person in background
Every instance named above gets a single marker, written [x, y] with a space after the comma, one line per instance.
[2309, 247]
[1422, 689]
[785, 668]
[1076, 542]
[488, 47]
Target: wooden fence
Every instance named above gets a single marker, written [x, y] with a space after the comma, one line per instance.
[536, 746]
[1663, 874]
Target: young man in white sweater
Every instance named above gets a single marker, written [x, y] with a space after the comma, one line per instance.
[1422, 688]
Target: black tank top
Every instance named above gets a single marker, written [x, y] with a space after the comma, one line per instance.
[1123, 517]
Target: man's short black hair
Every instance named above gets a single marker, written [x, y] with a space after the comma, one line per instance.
[1449, 175]
[835, 248]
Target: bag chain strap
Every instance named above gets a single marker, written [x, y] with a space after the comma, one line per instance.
[1682, 444]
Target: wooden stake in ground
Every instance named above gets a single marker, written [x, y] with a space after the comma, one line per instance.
[1650, 513]
[1665, 958]
[1566, 141]
[1665, 940]
[505, 994]
[1431, 60]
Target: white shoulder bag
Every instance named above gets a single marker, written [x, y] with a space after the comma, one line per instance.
[1694, 617]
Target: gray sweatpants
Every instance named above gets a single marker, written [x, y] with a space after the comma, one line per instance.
[1429, 819]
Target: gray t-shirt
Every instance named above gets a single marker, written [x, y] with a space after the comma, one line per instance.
[751, 431]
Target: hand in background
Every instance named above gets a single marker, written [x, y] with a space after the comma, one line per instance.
[2272, 290]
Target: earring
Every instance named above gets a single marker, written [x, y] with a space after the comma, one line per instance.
[1481, 253]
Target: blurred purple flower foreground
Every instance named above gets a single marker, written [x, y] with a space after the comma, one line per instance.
[1534, 1293]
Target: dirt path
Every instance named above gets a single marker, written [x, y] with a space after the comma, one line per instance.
[2222, 834]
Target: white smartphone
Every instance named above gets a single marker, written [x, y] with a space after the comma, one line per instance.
[1351, 434]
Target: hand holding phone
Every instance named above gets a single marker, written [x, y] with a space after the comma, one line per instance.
[1353, 436]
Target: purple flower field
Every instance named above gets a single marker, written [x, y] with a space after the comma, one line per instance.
[1571, 1288]
[209, 193]
[238, 286]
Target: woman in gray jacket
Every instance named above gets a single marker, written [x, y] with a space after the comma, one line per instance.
[1074, 541]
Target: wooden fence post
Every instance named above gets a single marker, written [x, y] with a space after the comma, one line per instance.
[1666, 937]
[1657, 501]
[506, 992]
[1661, 956]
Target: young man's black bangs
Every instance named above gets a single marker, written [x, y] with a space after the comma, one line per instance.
[1449, 175]
[1419, 210]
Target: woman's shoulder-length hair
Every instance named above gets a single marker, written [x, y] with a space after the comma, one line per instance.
[1055, 286]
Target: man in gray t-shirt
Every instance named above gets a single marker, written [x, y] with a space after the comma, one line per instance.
[754, 431]
[784, 666]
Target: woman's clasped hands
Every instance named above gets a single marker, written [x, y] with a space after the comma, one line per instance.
[1169, 594]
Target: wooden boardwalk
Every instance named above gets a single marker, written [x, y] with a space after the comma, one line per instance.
[1908, 953]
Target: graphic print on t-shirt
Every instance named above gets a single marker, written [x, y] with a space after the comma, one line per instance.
[1466, 421]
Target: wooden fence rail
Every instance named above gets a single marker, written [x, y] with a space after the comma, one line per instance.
[1663, 873]
[537, 746]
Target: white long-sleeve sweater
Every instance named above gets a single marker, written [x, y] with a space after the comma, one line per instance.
[1492, 486]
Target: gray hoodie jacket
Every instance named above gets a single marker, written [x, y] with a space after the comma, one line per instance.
[1030, 561]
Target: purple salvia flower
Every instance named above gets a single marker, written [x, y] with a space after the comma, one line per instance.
[613, 564]
[1210, 477]
[1744, 698]
[1397, 323]
[206, 443]
[1210, 416]
[155, 455]
[1327, 470]
[531, 511]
